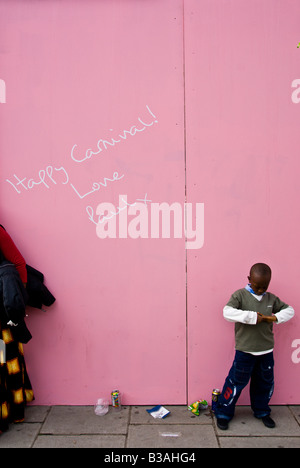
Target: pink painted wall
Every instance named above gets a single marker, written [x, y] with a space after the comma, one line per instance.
[243, 161]
[201, 93]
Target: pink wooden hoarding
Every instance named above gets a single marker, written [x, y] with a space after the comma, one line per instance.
[86, 73]
[166, 101]
[243, 162]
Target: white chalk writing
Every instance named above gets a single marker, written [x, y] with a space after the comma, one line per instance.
[48, 176]
[97, 185]
[51, 176]
[123, 206]
[45, 177]
[106, 144]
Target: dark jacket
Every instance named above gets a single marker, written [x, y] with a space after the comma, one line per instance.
[13, 304]
[38, 294]
[15, 298]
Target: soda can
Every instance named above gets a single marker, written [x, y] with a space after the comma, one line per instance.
[214, 399]
[116, 399]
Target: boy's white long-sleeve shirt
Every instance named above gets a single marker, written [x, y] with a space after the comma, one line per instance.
[250, 317]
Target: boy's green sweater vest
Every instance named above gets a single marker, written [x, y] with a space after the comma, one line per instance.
[259, 337]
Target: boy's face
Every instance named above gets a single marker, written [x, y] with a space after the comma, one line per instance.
[259, 283]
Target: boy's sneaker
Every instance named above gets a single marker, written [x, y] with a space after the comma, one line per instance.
[222, 424]
[268, 422]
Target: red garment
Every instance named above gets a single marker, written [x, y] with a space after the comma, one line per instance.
[12, 254]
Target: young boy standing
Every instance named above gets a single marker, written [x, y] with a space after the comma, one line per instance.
[253, 310]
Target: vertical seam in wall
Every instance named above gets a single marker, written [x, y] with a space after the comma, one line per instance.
[185, 200]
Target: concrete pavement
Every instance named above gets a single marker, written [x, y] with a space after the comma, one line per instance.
[133, 427]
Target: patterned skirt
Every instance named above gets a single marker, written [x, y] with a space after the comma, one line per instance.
[15, 386]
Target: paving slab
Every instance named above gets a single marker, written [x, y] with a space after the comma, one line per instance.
[178, 415]
[296, 412]
[20, 435]
[80, 441]
[133, 427]
[245, 424]
[36, 413]
[259, 442]
[171, 436]
[71, 420]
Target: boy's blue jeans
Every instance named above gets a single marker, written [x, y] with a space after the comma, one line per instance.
[245, 366]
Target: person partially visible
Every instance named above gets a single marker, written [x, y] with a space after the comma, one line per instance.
[12, 254]
[15, 385]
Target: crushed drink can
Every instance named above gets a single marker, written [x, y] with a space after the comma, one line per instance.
[116, 399]
[214, 399]
[203, 404]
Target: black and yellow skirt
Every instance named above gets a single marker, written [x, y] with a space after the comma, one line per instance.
[15, 386]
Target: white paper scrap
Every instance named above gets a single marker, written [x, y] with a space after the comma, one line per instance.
[158, 412]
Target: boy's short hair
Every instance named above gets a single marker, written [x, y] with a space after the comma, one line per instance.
[261, 269]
